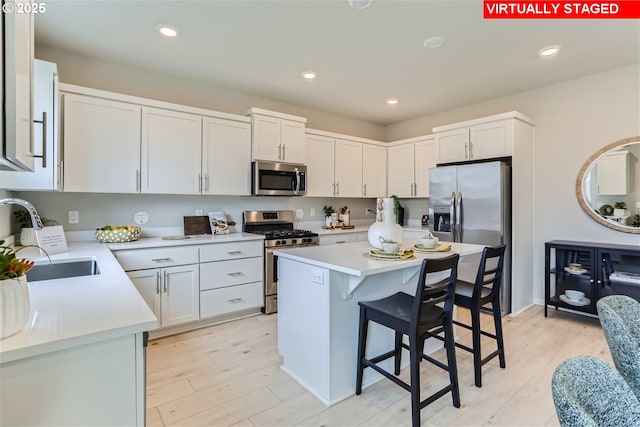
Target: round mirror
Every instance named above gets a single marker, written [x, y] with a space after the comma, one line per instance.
[608, 186]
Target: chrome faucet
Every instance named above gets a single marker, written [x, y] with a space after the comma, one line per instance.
[35, 218]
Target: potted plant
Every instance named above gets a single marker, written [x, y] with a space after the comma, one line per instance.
[398, 210]
[329, 215]
[14, 294]
[27, 234]
[620, 209]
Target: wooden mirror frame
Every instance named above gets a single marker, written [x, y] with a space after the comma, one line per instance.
[583, 203]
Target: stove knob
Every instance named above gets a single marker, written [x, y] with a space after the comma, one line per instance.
[294, 241]
[283, 242]
[277, 242]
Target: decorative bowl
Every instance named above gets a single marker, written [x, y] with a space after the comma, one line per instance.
[574, 295]
[122, 234]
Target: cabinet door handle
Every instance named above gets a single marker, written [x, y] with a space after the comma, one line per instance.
[235, 274]
[470, 150]
[138, 180]
[206, 182]
[61, 175]
[283, 153]
[235, 300]
[158, 282]
[235, 253]
[334, 188]
[364, 190]
[341, 241]
[466, 150]
[168, 259]
[279, 151]
[337, 188]
[166, 280]
[44, 139]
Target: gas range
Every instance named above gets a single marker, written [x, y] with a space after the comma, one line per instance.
[277, 229]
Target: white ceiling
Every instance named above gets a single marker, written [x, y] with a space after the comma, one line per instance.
[362, 57]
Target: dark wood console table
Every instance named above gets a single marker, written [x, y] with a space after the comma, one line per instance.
[606, 270]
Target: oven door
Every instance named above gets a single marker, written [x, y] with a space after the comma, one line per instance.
[278, 179]
[270, 282]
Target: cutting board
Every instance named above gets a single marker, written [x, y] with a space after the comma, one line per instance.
[196, 225]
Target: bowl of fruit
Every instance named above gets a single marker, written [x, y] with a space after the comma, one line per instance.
[120, 234]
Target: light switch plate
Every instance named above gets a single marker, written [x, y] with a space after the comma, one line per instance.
[74, 217]
[317, 277]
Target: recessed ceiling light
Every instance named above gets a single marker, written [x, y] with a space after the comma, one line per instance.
[549, 51]
[392, 102]
[359, 4]
[167, 30]
[309, 75]
[433, 42]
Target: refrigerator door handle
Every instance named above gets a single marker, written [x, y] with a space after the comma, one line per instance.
[452, 215]
[459, 217]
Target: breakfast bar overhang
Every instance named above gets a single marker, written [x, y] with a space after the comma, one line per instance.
[318, 292]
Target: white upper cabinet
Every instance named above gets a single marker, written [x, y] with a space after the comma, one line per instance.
[17, 50]
[277, 137]
[117, 143]
[348, 168]
[453, 145]
[46, 171]
[320, 166]
[341, 167]
[171, 144]
[226, 157]
[486, 138]
[426, 157]
[612, 174]
[409, 164]
[374, 171]
[101, 145]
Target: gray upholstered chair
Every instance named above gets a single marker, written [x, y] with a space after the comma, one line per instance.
[620, 320]
[588, 392]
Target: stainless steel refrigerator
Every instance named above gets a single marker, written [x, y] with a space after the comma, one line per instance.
[471, 203]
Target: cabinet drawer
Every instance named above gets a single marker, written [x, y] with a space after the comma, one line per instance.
[233, 298]
[338, 238]
[229, 273]
[226, 251]
[138, 259]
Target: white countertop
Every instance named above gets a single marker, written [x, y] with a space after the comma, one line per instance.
[352, 258]
[79, 310]
[82, 310]
[156, 242]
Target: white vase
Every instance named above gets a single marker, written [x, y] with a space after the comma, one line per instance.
[14, 306]
[385, 225]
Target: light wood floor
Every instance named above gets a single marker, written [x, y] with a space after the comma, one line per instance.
[229, 375]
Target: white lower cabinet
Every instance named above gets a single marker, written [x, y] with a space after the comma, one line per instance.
[171, 291]
[232, 278]
[101, 383]
[184, 284]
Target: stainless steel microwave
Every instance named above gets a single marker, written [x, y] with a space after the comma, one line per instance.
[278, 179]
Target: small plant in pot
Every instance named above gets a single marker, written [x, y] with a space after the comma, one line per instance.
[14, 294]
[620, 208]
[27, 234]
[329, 214]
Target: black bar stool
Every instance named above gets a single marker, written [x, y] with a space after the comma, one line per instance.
[474, 296]
[419, 318]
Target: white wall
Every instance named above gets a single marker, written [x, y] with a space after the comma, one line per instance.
[573, 120]
[5, 216]
[84, 71]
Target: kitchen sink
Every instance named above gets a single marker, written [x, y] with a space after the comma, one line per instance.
[63, 269]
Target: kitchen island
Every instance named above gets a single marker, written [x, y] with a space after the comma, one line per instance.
[318, 292]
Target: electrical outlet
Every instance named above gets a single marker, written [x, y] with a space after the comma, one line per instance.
[199, 212]
[317, 277]
[312, 212]
[74, 217]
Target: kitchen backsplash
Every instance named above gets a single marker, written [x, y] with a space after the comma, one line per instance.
[97, 210]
